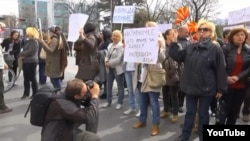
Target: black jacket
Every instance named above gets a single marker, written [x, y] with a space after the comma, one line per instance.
[64, 117]
[204, 68]
[230, 52]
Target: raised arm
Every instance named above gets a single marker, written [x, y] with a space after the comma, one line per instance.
[52, 47]
[176, 52]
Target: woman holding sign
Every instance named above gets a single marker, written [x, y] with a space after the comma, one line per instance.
[149, 94]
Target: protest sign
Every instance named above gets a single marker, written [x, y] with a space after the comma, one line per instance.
[124, 14]
[141, 45]
[76, 22]
[239, 16]
[164, 27]
[234, 26]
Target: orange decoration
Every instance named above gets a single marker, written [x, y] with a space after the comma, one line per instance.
[182, 14]
[192, 27]
[195, 37]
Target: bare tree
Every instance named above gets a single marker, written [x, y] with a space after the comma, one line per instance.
[168, 14]
[88, 7]
[80, 6]
[155, 8]
[199, 8]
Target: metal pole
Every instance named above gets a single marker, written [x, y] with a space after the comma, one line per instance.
[35, 2]
[111, 15]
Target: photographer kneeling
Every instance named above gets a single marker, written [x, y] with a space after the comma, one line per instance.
[65, 114]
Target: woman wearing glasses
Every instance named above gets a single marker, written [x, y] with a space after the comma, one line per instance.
[203, 78]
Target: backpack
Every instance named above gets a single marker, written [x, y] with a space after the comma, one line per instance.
[39, 105]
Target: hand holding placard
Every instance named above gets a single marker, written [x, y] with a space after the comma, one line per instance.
[141, 45]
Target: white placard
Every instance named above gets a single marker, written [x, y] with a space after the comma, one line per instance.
[233, 26]
[141, 45]
[124, 14]
[76, 22]
[164, 27]
[239, 16]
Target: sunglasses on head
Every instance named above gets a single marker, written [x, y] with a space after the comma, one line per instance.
[203, 29]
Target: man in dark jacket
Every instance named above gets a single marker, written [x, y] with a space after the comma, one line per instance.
[86, 53]
[182, 39]
[66, 113]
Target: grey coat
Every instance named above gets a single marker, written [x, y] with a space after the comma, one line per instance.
[30, 51]
[115, 57]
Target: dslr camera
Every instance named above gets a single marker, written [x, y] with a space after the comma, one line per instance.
[87, 98]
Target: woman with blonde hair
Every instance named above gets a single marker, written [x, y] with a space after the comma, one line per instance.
[30, 60]
[147, 94]
[114, 65]
[204, 76]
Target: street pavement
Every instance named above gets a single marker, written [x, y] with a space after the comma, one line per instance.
[113, 125]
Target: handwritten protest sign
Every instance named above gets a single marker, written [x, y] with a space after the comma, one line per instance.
[234, 26]
[76, 22]
[239, 16]
[124, 14]
[141, 45]
[164, 27]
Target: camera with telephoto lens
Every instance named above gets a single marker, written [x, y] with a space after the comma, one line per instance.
[87, 97]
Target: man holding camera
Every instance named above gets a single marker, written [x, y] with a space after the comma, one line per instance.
[66, 113]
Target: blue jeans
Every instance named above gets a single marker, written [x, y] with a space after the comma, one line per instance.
[111, 75]
[42, 77]
[56, 82]
[129, 82]
[191, 106]
[151, 98]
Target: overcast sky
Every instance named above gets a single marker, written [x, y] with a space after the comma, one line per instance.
[11, 6]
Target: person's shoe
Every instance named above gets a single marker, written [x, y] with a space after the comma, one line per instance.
[129, 111]
[181, 110]
[245, 118]
[139, 125]
[164, 114]
[106, 105]
[118, 107]
[103, 96]
[174, 118]
[180, 138]
[138, 114]
[155, 130]
[24, 97]
[5, 110]
[195, 129]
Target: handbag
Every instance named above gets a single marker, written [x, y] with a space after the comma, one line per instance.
[220, 114]
[42, 54]
[156, 78]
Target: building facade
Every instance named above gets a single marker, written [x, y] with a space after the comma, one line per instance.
[51, 12]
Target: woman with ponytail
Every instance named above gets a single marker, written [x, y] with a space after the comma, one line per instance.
[56, 56]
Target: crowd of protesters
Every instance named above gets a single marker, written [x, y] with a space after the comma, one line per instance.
[202, 70]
